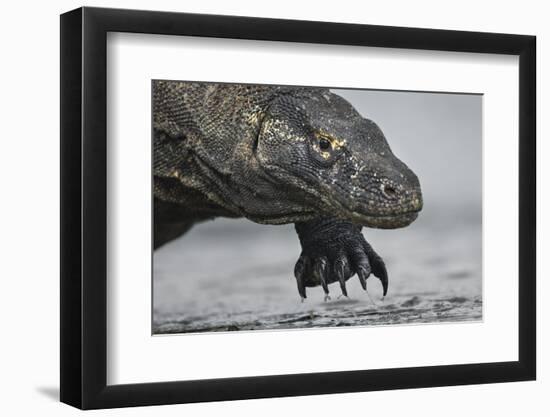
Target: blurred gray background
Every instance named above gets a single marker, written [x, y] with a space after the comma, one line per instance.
[228, 275]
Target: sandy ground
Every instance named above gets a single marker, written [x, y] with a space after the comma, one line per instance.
[229, 275]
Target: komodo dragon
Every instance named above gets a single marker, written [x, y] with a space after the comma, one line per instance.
[278, 155]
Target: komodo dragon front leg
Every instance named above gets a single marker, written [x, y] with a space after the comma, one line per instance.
[334, 250]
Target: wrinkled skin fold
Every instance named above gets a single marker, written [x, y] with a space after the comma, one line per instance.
[279, 155]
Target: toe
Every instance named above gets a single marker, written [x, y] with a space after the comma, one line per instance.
[361, 265]
[300, 271]
[378, 267]
[320, 271]
[340, 267]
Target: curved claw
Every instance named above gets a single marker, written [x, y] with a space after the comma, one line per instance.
[363, 275]
[340, 273]
[382, 274]
[321, 273]
[299, 273]
[378, 266]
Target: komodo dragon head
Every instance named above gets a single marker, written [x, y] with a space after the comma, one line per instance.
[326, 159]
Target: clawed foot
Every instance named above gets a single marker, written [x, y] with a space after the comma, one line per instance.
[334, 251]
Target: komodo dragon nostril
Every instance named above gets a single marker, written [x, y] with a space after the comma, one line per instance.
[389, 191]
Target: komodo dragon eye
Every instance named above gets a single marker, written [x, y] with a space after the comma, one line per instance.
[326, 149]
[324, 144]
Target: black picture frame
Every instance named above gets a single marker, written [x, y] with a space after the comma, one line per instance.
[84, 222]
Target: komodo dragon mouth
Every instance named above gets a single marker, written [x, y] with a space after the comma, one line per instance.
[393, 216]
[387, 222]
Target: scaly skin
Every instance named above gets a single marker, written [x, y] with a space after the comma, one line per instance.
[279, 155]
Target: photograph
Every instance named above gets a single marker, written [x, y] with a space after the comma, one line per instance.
[290, 207]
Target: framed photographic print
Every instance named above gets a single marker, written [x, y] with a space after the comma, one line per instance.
[257, 208]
